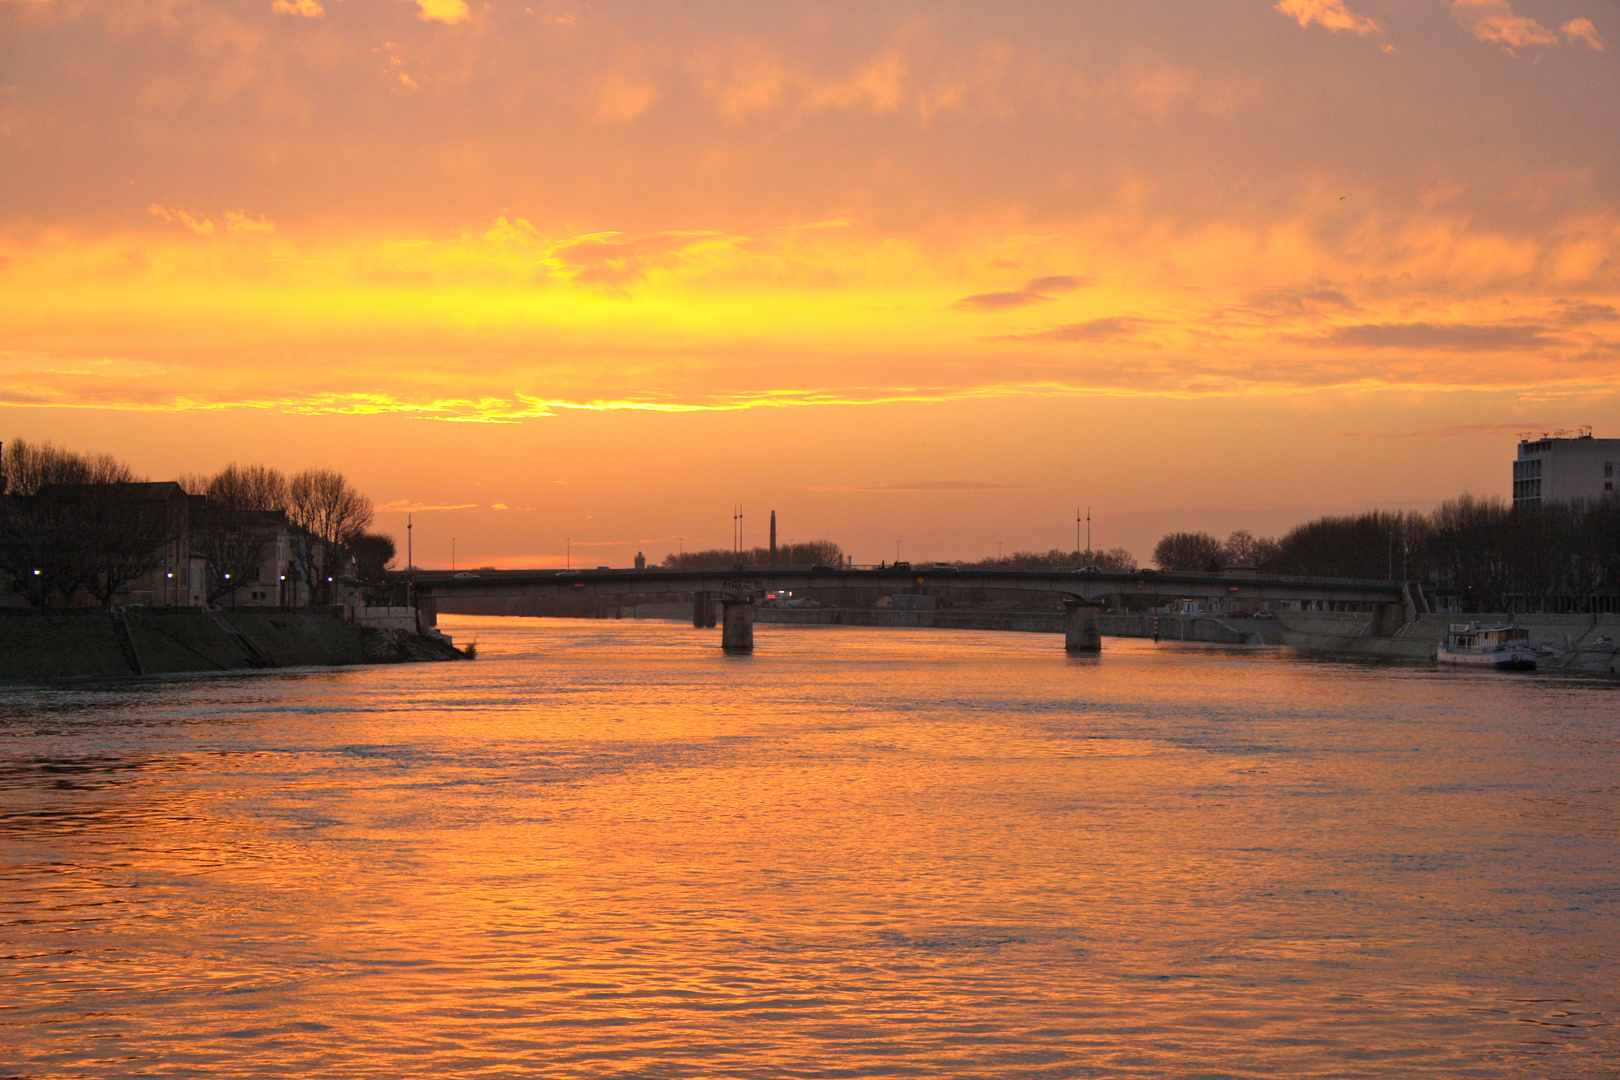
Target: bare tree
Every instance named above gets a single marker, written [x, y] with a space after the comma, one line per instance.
[40, 546]
[30, 466]
[1188, 551]
[122, 539]
[1243, 548]
[327, 507]
[248, 487]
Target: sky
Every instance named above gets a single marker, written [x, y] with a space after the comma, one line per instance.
[568, 281]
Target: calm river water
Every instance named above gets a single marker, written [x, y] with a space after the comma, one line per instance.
[605, 849]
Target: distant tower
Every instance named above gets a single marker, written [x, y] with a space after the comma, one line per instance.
[773, 536]
[641, 561]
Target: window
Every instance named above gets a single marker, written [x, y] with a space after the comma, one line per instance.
[1608, 469]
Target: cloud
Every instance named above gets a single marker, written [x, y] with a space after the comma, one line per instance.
[995, 301]
[606, 259]
[926, 485]
[1034, 291]
[238, 222]
[1307, 300]
[235, 221]
[309, 9]
[1332, 14]
[410, 506]
[1583, 30]
[200, 225]
[1496, 21]
[1582, 313]
[1093, 330]
[1454, 431]
[445, 11]
[1457, 337]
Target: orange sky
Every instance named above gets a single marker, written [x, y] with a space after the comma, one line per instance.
[933, 274]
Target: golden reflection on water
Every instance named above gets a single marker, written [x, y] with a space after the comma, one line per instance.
[606, 849]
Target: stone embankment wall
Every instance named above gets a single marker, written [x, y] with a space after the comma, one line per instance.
[66, 643]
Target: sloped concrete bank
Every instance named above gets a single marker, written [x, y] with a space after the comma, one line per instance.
[38, 644]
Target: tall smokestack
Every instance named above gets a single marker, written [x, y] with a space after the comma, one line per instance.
[773, 536]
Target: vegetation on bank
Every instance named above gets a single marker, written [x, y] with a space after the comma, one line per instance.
[824, 552]
[1057, 559]
[1488, 554]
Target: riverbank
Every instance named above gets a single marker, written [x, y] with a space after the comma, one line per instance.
[42, 644]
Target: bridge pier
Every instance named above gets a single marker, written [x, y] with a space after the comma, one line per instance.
[737, 633]
[1082, 626]
[702, 610]
[427, 611]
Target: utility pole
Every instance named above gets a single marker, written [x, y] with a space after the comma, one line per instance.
[452, 553]
[410, 557]
[568, 554]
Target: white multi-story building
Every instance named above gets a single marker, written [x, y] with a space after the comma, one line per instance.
[1562, 468]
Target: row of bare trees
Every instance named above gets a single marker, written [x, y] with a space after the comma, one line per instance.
[1058, 559]
[1489, 555]
[231, 535]
[811, 553]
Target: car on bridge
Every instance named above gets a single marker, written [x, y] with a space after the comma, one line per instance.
[569, 573]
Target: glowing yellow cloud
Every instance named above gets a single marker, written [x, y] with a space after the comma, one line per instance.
[445, 11]
[505, 323]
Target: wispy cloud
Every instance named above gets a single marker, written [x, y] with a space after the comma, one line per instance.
[1335, 15]
[1116, 326]
[1495, 21]
[923, 486]
[1456, 337]
[404, 506]
[235, 221]
[1455, 431]
[1034, 291]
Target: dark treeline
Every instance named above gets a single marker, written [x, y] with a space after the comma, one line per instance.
[1485, 553]
[76, 523]
[1057, 559]
[824, 552]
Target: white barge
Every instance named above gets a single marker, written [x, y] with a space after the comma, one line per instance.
[1497, 645]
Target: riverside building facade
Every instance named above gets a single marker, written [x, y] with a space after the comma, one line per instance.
[1563, 468]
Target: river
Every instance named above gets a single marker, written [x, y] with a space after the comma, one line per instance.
[606, 849]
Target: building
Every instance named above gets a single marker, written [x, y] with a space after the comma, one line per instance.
[1562, 468]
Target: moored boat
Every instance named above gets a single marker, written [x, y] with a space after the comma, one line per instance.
[1497, 645]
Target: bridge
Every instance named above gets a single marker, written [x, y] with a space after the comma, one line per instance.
[737, 590]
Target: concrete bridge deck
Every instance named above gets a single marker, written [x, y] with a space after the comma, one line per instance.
[1080, 585]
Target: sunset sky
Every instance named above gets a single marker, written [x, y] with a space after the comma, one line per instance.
[934, 273]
